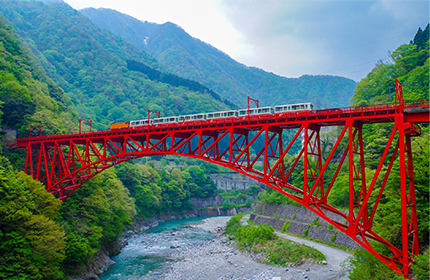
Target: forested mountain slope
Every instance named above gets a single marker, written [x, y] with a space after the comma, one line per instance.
[196, 60]
[90, 64]
[41, 237]
[27, 95]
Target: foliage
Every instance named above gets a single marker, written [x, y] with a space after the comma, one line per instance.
[421, 268]
[233, 224]
[28, 96]
[409, 63]
[90, 64]
[248, 235]
[174, 80]
[94, 217]
[366, 266]
[162, 191]
[32, 244]
[262, 239]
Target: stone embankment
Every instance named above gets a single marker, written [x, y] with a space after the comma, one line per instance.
[233, 182]
[301, 221]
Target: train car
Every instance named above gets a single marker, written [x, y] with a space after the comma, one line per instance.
[165, 120]
[216, 115]
[256, 111]
[224, 114]
[188, 118]
[138, 123]
[294, 107]
[120, 125]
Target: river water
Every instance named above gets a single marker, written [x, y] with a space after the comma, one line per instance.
[146, 252]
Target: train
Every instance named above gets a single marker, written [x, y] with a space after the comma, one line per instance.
[216, 115]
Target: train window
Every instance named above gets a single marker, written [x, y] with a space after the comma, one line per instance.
[302, 107]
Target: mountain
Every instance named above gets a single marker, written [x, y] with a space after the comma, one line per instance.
[196, 60]
[90, 64]
[27, 95]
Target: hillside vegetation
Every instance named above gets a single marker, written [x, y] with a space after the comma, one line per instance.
[90, 64]
[27, 95]
[198, 61]
[43, 238]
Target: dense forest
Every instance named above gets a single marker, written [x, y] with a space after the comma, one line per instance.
[410, 64]
[90, 65]
[42, 238]
[198, 61]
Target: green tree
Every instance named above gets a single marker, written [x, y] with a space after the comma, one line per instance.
[32, 244]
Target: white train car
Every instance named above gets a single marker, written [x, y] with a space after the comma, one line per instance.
[224, 114]
[138, 123]
[256, 111]
[164, 120]
[294, 107]
[188, 118]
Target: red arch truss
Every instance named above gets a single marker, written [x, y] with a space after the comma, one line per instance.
[256, 146]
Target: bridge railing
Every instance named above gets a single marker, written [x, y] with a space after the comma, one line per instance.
[284, 115]
[417, 104]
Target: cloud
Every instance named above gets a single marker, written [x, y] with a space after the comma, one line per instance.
[323, 37]
[289, 37]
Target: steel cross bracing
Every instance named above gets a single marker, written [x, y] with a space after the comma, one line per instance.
[65, 162]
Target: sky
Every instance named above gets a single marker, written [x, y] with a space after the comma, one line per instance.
[289, 38]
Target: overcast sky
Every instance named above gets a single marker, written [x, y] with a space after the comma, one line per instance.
[289, 38]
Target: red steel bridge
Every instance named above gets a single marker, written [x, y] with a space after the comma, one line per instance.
[65, 162]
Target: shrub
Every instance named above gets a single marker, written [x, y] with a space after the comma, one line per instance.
[233, 224]
[250, 235]
[285, 226]
[333, 237]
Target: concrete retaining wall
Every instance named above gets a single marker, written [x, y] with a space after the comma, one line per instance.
[300, 219]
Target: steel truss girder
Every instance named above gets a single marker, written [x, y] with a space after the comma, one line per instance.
[64, 165]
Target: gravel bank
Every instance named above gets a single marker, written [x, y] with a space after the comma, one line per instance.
[216, 259]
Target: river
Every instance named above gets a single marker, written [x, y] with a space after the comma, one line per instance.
[146, 252]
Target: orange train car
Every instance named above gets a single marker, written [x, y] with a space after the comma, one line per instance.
[119, 125]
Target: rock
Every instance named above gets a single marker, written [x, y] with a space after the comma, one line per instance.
[324, 262]
[91, 276]
[173, 246]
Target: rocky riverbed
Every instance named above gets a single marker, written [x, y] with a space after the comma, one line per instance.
[218, 259]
